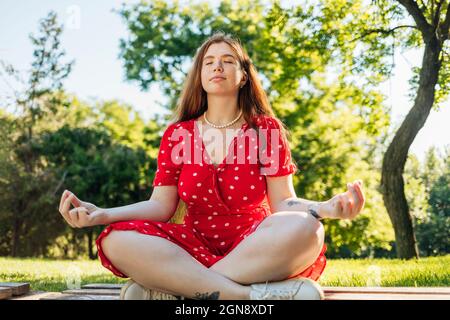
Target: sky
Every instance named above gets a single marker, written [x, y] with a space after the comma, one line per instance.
[91, 37]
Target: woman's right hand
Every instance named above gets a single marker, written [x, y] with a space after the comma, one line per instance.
[84, 214]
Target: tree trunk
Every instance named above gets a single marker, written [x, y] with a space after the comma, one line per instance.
[392, 184]
[91, 245]
[16, 237]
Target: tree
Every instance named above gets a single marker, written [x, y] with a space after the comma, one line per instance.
[433, 229]
[432, 20]
[366, 49]
[96, 170]
[39, 97]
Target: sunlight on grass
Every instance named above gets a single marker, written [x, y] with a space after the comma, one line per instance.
[425, 272]
[54, 275]
[59, 275]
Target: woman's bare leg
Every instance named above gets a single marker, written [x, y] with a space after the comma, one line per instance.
[284, 244]
[159, 264]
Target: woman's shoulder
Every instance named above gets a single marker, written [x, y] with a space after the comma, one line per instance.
[177, 131]
[267, 122]
[177, 125]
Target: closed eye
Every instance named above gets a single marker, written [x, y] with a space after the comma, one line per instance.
[225, 62]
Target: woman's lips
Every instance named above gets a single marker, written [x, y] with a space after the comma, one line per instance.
[217, 79]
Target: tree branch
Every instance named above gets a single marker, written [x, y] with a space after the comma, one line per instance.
[60, 183]
[414, 10]
[367, 32]
[436, 15]
[445, 27]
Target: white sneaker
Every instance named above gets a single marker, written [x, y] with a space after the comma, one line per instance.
[292, 289]
[134, 291]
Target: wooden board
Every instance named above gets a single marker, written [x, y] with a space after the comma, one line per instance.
[5, 293]
[18, 288]
[102, 286]
[65, 296]
[101, 292]
[34, 295]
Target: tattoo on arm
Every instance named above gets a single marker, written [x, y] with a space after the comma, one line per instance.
[207, 296]
[291, 203]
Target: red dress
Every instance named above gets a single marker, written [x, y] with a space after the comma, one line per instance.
[225, 203]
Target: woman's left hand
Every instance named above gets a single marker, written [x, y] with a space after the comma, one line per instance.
[345, 205]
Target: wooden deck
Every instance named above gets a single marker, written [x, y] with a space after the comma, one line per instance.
[99, 291]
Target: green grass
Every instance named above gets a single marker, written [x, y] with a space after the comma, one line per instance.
[54, 275]
[58, 275]
[425, 272]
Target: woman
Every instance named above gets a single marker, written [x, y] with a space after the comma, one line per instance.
[245, 234]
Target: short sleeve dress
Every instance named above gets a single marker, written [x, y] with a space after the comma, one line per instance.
[225, 202]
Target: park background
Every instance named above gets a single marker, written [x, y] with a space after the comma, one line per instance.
[83, 108]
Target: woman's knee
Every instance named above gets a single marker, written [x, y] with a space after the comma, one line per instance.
[112, 245]
[303, 233]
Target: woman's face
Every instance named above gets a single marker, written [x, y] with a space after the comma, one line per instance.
[221, 61]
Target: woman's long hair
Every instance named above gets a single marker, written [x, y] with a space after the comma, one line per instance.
[252, 98]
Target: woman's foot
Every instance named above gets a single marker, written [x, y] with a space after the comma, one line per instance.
[134, 291]
[292, 289]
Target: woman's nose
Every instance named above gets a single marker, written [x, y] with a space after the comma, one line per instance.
[218, 66]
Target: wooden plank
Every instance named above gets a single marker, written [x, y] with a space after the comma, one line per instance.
[33, 295]
[18, 288]
[378, 296]
[64, 296]
[388, 290]
[45, 295]
[102, 286]
[101, 292]
[5, 293]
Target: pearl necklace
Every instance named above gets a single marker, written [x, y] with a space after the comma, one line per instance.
[222, 126]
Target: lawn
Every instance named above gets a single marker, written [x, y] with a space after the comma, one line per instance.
[58, 275]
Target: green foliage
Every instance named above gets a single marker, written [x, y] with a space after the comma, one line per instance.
[26, 187]
[58, 142]
[433, 232]
[427, 189]
[94, 168]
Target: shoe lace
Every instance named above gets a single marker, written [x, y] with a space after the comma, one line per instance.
[280, 293]
[158, 295]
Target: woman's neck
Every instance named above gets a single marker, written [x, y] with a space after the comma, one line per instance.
[222, 110]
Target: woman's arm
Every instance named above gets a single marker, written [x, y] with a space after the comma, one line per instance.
[144, 210]
[160, 207]
[345, 205]
[282, 197]
[299, 204]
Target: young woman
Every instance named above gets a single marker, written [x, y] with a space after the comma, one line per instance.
[245, 234]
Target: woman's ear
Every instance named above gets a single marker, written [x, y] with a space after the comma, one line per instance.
[244, 78]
